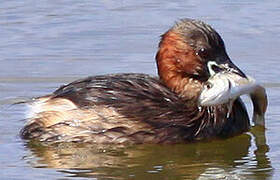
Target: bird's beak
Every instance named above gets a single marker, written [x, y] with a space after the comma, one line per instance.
[225, 66]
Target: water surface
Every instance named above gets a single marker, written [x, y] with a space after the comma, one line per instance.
[48, 43]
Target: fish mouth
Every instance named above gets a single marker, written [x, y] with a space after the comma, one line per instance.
[226, 84]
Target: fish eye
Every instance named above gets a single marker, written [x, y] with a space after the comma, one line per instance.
[208, 85]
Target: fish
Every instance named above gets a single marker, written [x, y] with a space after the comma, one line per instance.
[226, 87]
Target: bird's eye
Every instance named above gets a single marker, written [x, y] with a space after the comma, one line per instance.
[203, 53]
[208, 85]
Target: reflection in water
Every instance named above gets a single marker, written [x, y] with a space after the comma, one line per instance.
[229, 158]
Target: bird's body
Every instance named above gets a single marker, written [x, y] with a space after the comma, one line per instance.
[138, 108]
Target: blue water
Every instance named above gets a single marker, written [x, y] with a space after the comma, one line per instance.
[44, 44]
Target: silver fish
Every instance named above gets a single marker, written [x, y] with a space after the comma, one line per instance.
[225, 87]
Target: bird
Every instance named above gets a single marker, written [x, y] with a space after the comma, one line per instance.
[135, 108]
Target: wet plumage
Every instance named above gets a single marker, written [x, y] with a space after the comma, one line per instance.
[138, 108]
[156, 114]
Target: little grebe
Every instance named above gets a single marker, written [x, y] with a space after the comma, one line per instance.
[138, 108]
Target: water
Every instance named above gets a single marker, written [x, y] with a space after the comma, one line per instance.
[48, 43]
